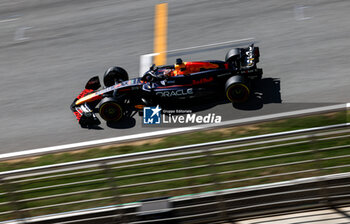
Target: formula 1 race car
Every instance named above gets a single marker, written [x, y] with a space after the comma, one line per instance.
[181, 82]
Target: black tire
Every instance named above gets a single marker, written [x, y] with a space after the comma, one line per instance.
[114, 75]
[110, 110]
[237, 89]
[233, 55]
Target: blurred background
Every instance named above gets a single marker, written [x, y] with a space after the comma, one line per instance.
[49, 49]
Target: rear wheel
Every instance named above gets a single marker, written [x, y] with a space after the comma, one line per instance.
[233, 57]
[237, 89]
[110, 110]
[114, 75]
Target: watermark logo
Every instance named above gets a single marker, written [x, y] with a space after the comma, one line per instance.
[167, 118]
[151, 115]
[192, 119]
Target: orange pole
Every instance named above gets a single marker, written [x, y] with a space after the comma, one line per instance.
[160, 33]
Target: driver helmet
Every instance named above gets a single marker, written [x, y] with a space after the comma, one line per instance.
[179, 61]
[180, 65]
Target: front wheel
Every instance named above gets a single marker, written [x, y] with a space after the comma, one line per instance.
[110, 110]
[237, 89]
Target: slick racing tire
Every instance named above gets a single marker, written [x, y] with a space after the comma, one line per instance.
[233, 55]
[114, 75]
[110, 110]
[237, 89]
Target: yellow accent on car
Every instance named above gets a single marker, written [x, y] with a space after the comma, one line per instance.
[234, 85]
[85, 99]
[106, 104]
[139, 107]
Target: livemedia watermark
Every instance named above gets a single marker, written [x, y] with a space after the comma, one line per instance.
[156, 117]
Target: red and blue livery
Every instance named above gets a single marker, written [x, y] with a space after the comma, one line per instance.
[182, 82]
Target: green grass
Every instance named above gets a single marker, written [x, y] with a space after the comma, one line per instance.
[184, 139]
[229, 155]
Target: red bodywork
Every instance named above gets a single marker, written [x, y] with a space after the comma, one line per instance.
[79, 112]
[194, 66]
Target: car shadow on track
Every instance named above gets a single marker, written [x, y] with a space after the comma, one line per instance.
[266, 90]
[124, 123]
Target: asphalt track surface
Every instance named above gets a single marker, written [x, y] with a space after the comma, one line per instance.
[49, 49]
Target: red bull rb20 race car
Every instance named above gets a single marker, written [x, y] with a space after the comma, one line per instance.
[178, 83]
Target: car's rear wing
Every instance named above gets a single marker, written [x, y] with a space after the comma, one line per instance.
[250, 56]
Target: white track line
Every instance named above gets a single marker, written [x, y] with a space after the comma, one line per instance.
[130, 138]
[8, 20]
[210, 45]
[19, 34]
